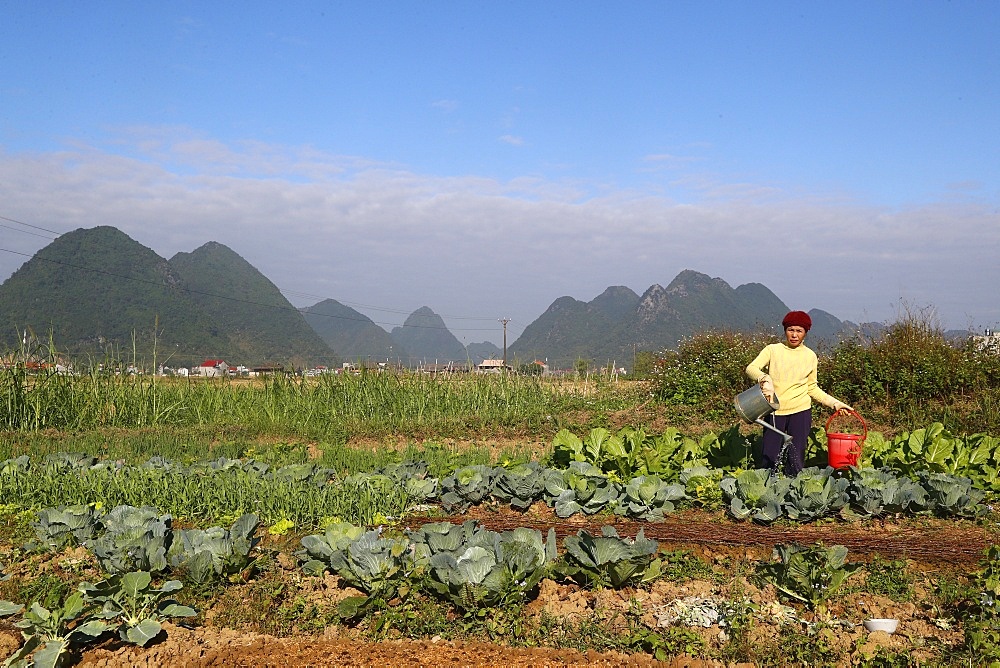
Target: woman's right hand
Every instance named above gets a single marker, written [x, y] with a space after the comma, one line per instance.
[767, 387]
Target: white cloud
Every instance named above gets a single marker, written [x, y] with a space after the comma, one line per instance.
[343, 227]
[513, 140]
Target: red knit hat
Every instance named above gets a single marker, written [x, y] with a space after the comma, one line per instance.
[797, 319]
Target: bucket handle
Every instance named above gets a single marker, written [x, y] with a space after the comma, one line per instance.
[848, 411]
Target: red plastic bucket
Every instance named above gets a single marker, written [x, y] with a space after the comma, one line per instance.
[842, 449]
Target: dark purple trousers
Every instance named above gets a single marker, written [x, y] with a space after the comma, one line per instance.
[796, 425]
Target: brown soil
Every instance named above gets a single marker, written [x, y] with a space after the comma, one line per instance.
[496, 443]
[222, 647]
[927, 541]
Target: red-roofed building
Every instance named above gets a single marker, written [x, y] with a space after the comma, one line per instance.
[211, 369]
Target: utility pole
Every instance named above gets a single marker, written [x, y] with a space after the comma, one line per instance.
[505, 321]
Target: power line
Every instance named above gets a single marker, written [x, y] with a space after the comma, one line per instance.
[34, 227]
[34, 234]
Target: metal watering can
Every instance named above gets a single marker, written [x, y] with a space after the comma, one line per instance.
[753, 406]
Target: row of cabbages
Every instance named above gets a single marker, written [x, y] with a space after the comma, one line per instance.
[581, 487]
[76, 462]
[757, 494]
[814, 493]
[141, 539]
[471, 566]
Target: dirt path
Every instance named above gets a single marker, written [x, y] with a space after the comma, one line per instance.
[221, 647]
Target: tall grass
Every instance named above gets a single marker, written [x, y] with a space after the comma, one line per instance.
[330, 407]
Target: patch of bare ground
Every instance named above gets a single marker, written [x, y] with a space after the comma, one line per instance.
[224, 647]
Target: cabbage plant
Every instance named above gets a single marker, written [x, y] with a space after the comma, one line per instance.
[135, 539]
[132, 606]
[609, 560]
[813, 493]
[754, 494]
[318, 549]
[951, 495]
[649, 498]
[68, 462]
[503, 573]
[520, 485]
[580, 488]
[415, 479]
[207, 553]
[51, 634]
[467, 486]
[447, 538]
[56, 528]
[875, 492]
[307, 473]
[9, 466]
[378, 566]
[810, 573]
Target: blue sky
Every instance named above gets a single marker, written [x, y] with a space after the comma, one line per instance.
[484, 159]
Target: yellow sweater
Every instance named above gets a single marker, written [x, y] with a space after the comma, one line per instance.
[793, 371]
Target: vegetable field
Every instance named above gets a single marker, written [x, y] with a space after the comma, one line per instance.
[493, 520]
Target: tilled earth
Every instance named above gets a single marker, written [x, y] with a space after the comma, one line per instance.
[927, 546]
[221, 647]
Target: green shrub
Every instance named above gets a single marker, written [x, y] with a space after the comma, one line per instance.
[707, 370]
[911, 361]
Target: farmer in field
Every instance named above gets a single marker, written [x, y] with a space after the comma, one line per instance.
[787, 370]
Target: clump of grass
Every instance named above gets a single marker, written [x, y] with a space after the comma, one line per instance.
[889, 578]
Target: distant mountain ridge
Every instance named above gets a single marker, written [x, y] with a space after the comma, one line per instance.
[239, 300]
[97, 290]
[427, 339]
[617, 323]
[353, 335]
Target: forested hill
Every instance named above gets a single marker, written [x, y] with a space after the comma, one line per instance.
[98, 292]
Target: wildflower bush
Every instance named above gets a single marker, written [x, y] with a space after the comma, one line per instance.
[706, 370]
[909, 373]
[911, 369]
[911, 360]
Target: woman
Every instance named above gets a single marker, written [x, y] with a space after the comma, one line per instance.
[787, 370]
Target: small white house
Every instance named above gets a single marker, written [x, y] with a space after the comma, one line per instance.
[493, 366]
